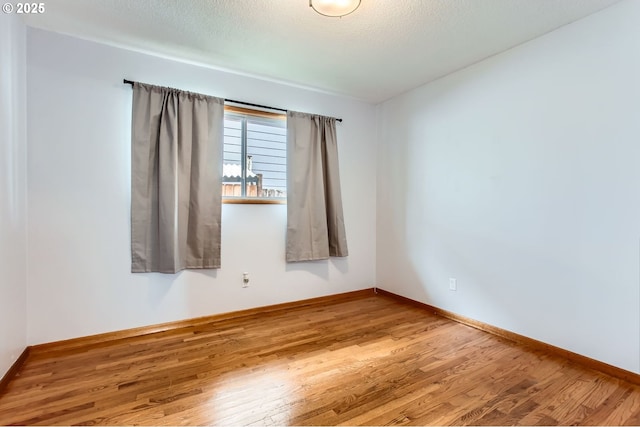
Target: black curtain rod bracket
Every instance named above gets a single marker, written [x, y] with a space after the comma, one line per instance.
[130, 82]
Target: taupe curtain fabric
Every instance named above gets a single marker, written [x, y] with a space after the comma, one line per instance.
[176, 198]
[315, 225]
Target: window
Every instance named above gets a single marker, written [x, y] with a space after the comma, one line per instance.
[255, 156]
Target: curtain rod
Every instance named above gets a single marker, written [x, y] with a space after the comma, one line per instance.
[131, 82]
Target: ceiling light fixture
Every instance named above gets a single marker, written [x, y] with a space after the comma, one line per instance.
[334, 8]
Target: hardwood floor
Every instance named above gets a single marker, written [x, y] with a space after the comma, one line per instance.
[369, 361]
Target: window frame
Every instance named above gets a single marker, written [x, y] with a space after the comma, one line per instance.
[242, 111]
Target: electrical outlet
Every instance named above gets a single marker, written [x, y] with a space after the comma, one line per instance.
[245, 280]
[453, 284]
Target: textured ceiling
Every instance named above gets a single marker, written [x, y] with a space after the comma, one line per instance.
[385, 48]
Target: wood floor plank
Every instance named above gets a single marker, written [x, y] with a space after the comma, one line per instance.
[364, 361]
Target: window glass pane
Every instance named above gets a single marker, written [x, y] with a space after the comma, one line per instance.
[232, 140]
[255, 156]
[267, 149]
[232, 157]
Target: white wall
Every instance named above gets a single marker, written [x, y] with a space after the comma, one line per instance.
[13, 170]
[519, 177]
[79, 196]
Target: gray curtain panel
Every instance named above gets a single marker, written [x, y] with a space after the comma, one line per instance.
[176, 189]
[315, 224]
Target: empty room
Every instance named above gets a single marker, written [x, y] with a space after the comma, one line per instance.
[320, 212]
